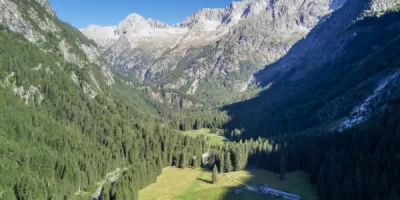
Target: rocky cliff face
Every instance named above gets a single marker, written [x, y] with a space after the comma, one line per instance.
[36, 22]
[227, 44]
[320, 51]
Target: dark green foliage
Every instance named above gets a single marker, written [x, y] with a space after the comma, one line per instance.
[282, 167]
[228, 163]
[196, 163]
[221, 163]
[105, 193]
[360, 163]
[196, 119]
[213, 130]
[182, 161]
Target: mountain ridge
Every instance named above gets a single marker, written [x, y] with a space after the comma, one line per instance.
[212, 48]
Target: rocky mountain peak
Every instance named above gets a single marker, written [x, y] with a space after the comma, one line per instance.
[205, 14]
[135, 24]
[231, 14]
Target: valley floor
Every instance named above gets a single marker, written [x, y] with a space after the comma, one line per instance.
[188, 184]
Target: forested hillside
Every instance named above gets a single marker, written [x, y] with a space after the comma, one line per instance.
[360, 163]
[61, 131]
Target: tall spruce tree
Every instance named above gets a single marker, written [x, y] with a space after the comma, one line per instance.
[282, 167]
[221, 163]
[214, 177]
[195, 163]
[182, 163]
[228, 162]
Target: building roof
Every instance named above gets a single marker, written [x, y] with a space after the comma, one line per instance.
[281, 192]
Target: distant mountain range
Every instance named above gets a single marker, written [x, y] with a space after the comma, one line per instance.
[212, 48]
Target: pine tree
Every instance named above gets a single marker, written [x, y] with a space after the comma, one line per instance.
[215, 174]
[228, 162]
[195, 163]
[182, 163]
[105, 193]
[221, 163]
[282, 167]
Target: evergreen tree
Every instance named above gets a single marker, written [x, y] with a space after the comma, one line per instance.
[105, 193]
[228, 163]
[182, 163]
[221, 163]
[214, 177]
[282, 168]
[195, 163]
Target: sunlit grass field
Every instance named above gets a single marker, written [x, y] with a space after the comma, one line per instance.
[193, 184]
[214, 138]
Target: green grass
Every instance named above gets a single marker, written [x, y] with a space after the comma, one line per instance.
[215, 139]
[193, 184]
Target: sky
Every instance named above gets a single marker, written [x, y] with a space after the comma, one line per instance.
[81, 13]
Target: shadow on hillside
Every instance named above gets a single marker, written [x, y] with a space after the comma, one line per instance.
[273, 109]
[244, 185]
[297, 183]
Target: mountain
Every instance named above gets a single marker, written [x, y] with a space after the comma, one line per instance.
[344, 72]
[212, 52]
[66, 120]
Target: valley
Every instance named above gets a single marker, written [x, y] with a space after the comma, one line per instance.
[302, 95]
[195, 184]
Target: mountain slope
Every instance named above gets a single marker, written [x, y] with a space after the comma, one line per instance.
[62, 128]
[213, 48]
[344, 72]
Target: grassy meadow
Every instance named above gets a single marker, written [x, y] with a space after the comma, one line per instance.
[192, 184]
[214, 138]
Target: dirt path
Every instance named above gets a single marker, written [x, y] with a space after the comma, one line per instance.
[165, 168]
[250, 188]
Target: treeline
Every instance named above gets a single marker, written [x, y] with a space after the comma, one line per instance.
[261, 153]
[193, 120]
[164, 150]
[360, 163]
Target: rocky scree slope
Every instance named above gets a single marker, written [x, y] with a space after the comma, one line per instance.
[213, 48]
[342, 73]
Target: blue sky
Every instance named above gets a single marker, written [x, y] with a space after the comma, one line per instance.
[81, 13]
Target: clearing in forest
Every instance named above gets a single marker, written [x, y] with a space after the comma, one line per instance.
[215, 139]
[192, 184]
